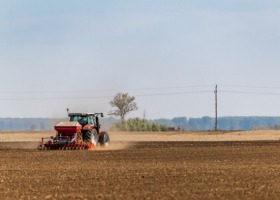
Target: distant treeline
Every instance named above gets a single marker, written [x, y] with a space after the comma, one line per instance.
[41, 124]
[204, 123]
[224, 123]
[25, 124]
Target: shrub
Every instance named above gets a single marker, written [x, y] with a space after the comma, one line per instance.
[139, 125]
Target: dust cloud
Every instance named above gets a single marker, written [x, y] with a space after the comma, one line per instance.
[114, 146]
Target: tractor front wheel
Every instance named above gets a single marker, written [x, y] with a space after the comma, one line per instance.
[104, 139]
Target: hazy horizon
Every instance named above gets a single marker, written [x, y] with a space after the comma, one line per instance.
[168, 54]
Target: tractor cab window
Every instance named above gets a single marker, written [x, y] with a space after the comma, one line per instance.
[74, 118]
[82, 120]
[90, 120]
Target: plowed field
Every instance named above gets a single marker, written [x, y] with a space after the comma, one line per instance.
[144, 170]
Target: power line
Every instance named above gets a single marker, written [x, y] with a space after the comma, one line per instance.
[53, 98]
[92, 91]
[137, 95]
[252, 87]
[134, 89]
[246, 92]
[100, 97]
[173, 93]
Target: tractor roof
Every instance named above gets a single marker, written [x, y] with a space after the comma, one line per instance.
[84, 114]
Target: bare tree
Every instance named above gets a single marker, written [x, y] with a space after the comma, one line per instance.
[124, 104]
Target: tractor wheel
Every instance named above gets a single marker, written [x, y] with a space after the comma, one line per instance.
[104, 139]
[91, 136]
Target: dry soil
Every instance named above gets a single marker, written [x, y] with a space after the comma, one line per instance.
[143, 170]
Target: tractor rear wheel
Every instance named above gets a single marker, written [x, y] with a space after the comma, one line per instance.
[91, 136]
[104, 139]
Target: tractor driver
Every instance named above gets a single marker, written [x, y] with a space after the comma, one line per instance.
[83, 121]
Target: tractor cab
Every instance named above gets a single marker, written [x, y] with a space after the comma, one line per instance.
[86, 119]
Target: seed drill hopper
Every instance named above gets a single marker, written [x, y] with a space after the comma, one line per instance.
[81, 132]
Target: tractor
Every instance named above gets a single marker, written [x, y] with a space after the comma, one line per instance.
[81, 132]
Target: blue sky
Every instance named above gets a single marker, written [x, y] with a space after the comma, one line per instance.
[52, 52]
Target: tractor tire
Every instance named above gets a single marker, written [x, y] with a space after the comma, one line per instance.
[104, 139]
[91, 136]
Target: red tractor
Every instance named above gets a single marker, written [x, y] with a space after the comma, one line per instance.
[81, 132]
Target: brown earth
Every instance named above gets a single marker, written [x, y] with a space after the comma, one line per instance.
[143, 170]
[146, 170]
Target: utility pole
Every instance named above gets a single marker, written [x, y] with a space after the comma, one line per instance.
[216, 107]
